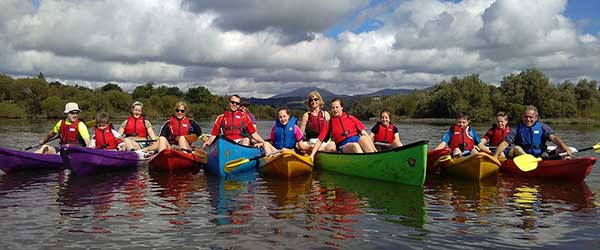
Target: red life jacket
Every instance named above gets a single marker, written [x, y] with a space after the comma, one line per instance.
[179, 127]
[384, 134]
[105, 139]
[136, 127]
[342, 127]
[496, 134]
[233, 124]
[315, 124]
[461, 138]
[69, 134]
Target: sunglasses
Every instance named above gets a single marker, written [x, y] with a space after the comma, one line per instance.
[314, 100]
[234, 103]
[180, 110]
[74, 112]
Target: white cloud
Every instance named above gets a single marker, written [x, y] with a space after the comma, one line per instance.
[263, 48]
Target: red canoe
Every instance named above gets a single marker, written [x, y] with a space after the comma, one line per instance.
[433, 156]
[171, 159]
[574, 170]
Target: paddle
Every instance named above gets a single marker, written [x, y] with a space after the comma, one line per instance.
[234, 164]
[526, 162]
[89, 124]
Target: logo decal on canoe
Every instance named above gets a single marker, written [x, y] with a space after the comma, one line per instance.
[226, 153]
[411, 162]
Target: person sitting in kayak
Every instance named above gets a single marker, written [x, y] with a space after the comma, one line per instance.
[137, 130]
[236, 126]
[461, 138]
[384, 132]
[71, 130]
[495, 135]
[179, 130]
[530, 137]
[285, 133]
[313, 121]
[105, 136]
[346, 130]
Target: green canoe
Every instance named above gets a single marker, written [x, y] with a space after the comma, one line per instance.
[406, 164]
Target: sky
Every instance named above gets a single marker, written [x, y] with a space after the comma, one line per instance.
[265, 47]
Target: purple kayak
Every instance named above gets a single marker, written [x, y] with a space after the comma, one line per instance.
[83, 161]
[15, 160]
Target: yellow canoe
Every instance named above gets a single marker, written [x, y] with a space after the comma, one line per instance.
[286, 163]
[475, 166]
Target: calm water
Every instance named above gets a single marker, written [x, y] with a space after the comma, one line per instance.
[141, 209]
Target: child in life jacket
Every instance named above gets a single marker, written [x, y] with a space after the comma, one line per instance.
[285, 133]
[384, 134]
[495, 135]
[461, 138]
[105, 136]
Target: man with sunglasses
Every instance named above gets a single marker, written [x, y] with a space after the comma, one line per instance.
[235, 125]
[71, 130]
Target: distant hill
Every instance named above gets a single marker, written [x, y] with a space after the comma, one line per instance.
[295, 99]
[303, 93]
[389, 92]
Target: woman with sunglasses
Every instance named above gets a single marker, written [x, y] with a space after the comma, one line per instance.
[177, 129]
[346, 130]
[236, 126]
[313, 121]
[137, 130]
[71, 130]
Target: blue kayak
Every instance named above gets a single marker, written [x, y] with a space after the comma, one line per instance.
[223, 150]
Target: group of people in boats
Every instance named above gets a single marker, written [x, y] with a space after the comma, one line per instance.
[319, 130]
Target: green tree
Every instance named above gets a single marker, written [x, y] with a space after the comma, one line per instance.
[110, 86]
[199, 95]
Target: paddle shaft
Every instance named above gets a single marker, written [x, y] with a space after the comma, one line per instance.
[37, 145]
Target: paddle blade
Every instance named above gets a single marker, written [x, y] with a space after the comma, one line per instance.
[233, 164]
[191, 138]
[526, 162]
[596, 148]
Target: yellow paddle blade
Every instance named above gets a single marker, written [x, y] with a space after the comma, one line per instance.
[596, 148]
[233, 164]
[526, 162]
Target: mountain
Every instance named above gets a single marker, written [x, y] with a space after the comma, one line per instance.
[389, 92]
[303, 93]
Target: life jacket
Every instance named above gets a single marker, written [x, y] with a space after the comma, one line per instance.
[496, 134]
[69, 134]
[342, 127]
[136, 127]
[105, 139]
[284, 134]
[315, 124]
[179, 127]
[234, 124]
[384, 134]
[461, 138]
[530, 138]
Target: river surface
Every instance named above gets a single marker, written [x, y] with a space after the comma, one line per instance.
[139, 209]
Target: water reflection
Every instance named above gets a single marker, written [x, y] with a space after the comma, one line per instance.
[233, 198]
[289, 197]
[178, 189]
[85, 201]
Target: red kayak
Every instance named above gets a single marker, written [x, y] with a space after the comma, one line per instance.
[433, 156]
[574, 170]
[172, 159]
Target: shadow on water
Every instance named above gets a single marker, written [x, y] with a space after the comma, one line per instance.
[20, 180]
[397, 203]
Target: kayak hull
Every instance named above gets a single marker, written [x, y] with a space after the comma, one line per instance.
[475, 166]
[286, 164]
[574, 170]
[84, 161]
[173, 160]
[224, 150]
[16, 160]
[433, 156]
[406, 164]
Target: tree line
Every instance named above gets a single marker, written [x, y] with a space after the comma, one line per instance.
[35, 97]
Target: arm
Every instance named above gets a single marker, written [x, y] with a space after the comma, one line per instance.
[303, 123]
[482, 146]
[121, 130]
[501, 147]
[559, 142]
[445, 140]
[85, 134]
[49, 135]
[214, 132]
